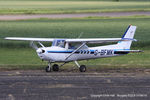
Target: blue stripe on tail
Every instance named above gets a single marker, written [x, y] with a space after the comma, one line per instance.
[126, 31]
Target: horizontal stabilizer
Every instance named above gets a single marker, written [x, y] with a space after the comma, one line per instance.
[130, 51]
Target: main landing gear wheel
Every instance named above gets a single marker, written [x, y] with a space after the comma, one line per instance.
[55, 67]
[48, 69]
[82, 68]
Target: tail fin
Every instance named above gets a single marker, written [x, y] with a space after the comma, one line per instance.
[129, 34]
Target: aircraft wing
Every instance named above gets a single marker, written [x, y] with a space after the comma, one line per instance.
[29, 39]
[88, 40]
[99, 40]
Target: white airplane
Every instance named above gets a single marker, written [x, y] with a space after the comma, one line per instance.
[67, 50]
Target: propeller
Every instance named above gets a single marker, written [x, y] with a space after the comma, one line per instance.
[38, 50]
[33, 45]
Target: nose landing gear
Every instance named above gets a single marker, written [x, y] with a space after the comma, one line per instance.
[55, 67]
[48, 68]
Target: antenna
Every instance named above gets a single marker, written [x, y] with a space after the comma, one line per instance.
[80, 35]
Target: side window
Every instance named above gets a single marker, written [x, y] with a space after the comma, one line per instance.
[85, 52]
[81, 51]
[71, 46]
[89, 52]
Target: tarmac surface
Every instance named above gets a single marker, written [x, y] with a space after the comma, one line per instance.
[39, 85]
[36, 16]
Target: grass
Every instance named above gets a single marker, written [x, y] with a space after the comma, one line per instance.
[18, 55]
[92, 27]
[19, 59]
[27, 59]
[73, 6]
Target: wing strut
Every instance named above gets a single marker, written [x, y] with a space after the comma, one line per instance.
[75, 50]
[41, 44]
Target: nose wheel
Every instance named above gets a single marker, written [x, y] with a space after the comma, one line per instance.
[48, 68]
[55, 67]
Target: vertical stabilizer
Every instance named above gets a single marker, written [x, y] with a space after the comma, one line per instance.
[129, 34]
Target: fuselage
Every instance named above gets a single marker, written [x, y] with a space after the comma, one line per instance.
[59, 54]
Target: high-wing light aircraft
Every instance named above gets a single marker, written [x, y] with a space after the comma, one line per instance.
[67, 50]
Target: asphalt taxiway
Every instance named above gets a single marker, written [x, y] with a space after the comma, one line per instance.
[39, 85]
[36, 16]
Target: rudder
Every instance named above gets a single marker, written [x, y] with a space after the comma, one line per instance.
[129, 34]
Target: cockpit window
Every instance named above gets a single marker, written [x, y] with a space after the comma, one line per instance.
[74, 45]
[59, 43]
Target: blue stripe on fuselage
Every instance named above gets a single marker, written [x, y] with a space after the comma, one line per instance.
[91, 51]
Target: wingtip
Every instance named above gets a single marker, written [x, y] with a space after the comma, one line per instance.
[6, 38]
[135, 40]
[141, 51]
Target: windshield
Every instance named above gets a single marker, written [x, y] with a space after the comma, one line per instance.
[59, 43]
